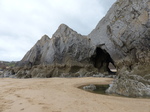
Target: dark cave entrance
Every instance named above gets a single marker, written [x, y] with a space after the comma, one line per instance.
[103, 61]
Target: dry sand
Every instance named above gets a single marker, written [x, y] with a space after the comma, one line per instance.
[62, 95]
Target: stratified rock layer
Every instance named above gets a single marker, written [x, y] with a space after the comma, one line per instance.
[66, 54]
[125, 30]
[65, 46]
[125, 34]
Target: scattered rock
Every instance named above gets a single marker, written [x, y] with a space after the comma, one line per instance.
[130, 85]
[91, 87]
[99, 75]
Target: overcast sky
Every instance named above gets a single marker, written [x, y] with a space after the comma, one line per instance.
[24, 22]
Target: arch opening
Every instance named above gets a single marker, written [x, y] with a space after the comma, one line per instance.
[103, 61]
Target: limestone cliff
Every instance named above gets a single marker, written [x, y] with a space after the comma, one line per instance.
[122, 38]
[65, 45]
[125, 35]
[66, 54]
[125, 29]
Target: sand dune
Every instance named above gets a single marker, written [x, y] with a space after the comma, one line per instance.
[62, 95]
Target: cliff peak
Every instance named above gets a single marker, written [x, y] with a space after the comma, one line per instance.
[63, 30]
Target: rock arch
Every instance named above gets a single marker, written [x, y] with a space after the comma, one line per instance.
[101, 59]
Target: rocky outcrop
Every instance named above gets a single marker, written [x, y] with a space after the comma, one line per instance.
[124, 30]
[90, 87]
[65, 45]
[130, 85]
[66, 54]
[122, 38]
[125, 34]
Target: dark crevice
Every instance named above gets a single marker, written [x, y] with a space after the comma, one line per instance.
[101, 59]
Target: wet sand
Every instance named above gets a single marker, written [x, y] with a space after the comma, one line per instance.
[62, 95]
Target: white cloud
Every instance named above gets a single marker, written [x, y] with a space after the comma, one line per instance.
[23, 22]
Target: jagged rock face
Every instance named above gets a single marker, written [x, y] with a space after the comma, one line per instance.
[65, 54]
[64, 46]
[70, 46]
[125, 29]
[34, 56]
[125, 34]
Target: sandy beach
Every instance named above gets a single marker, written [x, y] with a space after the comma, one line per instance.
[62, 95]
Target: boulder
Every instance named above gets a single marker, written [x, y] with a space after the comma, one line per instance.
[91, 87]
[131, 86]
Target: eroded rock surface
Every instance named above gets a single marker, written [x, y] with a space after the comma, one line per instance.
[124, 30]
[66, 54]
[65, 46]
[125, 34]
